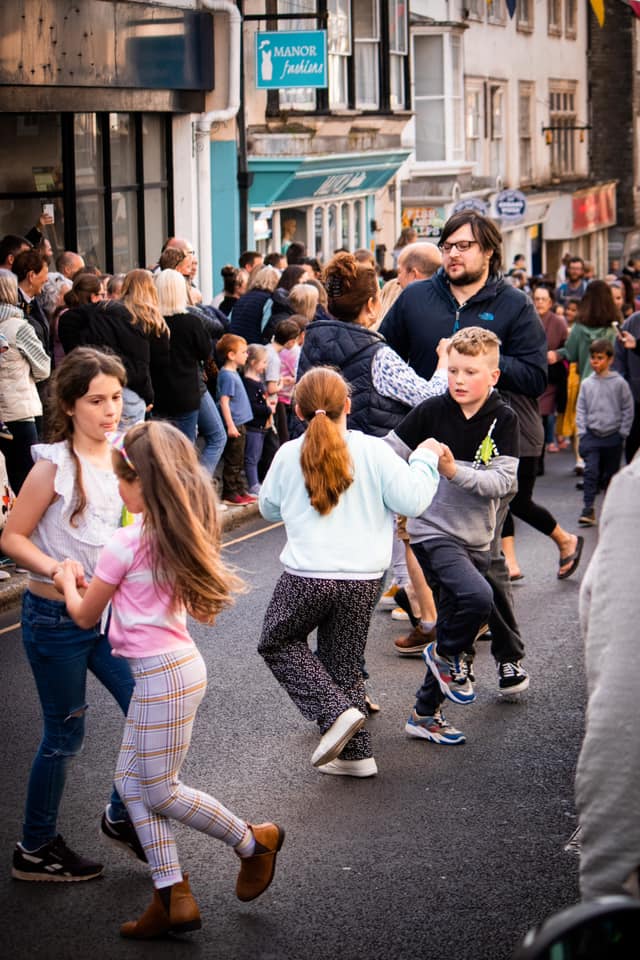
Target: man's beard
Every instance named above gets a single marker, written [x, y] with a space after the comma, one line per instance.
[466, 278]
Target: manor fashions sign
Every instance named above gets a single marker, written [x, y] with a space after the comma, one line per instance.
[291, 58]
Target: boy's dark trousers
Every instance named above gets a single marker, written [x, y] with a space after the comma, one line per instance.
[464, 600]
[233, 464]
[601, 457]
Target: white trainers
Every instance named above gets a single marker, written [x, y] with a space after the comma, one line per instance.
[366, 767]
[399, 614]
[386, 601]
[339, 733]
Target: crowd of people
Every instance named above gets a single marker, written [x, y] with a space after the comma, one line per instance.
[421, 408]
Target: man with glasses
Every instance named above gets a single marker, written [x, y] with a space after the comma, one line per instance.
[469, 290]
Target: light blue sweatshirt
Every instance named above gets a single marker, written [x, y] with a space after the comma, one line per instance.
[354, 540]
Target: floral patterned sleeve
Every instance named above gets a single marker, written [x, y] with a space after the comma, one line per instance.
[394, 378]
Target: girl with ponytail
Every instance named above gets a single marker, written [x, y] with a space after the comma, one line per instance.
[336, 491]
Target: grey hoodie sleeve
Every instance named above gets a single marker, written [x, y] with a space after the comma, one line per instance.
[495, 480]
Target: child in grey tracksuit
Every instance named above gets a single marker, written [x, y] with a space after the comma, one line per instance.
[604, 418]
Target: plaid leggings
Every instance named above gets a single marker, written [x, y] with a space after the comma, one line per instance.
[157, 734]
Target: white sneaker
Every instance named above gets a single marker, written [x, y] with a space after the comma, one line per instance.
[386, 601]
[351, 768]
[340, 732]
[399, 614]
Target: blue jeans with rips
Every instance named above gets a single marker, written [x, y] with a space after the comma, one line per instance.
[60, 653]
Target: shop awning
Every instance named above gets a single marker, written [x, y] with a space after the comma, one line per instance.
[285, 180]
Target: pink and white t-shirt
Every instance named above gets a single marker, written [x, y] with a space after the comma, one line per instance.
[142, 622]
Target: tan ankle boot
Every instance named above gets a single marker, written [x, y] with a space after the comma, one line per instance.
[256, 872]
[183, 915]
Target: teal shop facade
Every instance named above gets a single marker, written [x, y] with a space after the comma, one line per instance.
[325, 202]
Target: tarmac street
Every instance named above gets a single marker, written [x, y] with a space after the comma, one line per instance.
[450, 853]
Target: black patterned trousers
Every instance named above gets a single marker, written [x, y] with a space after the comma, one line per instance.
[326, 683]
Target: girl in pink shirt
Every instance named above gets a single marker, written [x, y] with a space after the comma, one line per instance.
[155, 573]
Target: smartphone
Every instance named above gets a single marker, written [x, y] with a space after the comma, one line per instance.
[48, 209]
[616, 327]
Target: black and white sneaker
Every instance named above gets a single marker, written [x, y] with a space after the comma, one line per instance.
[512, 678]
[124, 834]
[53, 862]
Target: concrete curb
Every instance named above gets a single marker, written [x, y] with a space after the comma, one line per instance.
[11, 590]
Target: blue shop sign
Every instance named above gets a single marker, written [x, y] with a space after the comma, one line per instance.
[291, 58]
[511, 204]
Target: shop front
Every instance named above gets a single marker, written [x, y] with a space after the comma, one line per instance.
[579, 222]
[324, 202]
[88, 109]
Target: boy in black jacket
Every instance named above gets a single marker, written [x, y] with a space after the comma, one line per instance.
[452, 539]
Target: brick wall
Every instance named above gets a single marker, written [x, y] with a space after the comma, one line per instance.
[614, 89]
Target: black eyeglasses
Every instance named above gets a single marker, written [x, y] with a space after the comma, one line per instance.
[461, 246]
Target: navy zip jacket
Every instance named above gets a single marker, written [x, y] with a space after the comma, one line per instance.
[426, 311]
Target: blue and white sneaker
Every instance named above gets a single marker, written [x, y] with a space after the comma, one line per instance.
[452, 674]
[435, 728]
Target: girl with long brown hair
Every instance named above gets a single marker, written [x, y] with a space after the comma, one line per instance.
[68, 506]
[155, 573]
[336, 491]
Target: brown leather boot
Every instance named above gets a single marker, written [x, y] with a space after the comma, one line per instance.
[415, 642]
[256, 872]
[183, 915]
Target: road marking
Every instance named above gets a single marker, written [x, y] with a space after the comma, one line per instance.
[229, 543]
[256, 533]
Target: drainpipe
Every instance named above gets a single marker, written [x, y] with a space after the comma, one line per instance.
[202, 141]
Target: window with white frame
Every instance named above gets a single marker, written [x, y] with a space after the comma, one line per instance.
[366, 39]
[438, 97]
[554, 17]
[297, 98]
[570, 18]
[474, 121]
[398, 49]
[524, 15]
[497, 100]
[496, 12]
[526, 103]
[339, 51]
[562, 118]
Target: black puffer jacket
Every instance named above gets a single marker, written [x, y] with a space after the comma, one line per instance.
[351, 348]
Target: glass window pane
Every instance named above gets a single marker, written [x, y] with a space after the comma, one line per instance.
[365, 19]
[30, 152]
[367, 85]
[337, 81]
[339, 27]
[396, 82]
[318, 235]
[398, 26]
[357, 215]
[345, 225]
[430, 141]
[155, 223]
[18, 216]
[154, 153]
[429, 68]
[87, 138]
[90, 219]
[125, 231]
[456, 67]
[123, 148]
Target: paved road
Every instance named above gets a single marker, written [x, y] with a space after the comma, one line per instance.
[450, 853]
